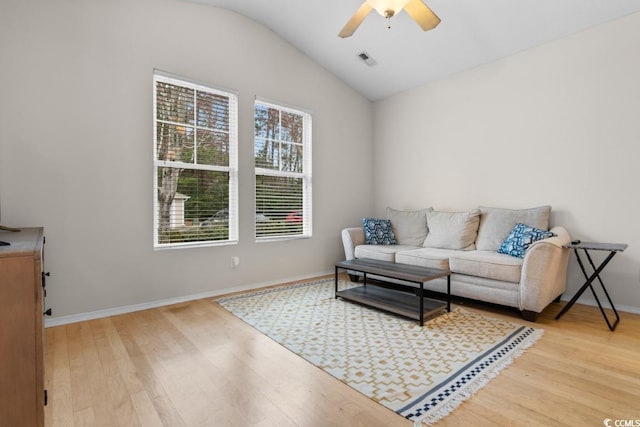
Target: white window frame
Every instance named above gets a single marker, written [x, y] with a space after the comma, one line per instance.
[231, 169]
[305, 175]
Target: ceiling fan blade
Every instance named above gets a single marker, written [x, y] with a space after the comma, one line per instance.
[421, 13]
[355, 20]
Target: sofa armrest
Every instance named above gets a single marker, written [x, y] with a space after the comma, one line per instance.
[544, 271]
[352, 237]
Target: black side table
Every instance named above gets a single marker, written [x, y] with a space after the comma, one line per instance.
[612, 248]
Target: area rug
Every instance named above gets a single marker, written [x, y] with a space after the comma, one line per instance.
[421, 373]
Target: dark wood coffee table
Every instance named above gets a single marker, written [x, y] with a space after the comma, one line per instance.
[394, 298]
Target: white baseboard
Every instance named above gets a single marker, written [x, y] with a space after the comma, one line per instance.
[81, 317]
[605, 304]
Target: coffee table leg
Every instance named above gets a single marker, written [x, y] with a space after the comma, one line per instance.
[449, 293]
[421, 304]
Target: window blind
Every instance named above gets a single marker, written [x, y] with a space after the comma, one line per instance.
[282, 154]
[195, 164]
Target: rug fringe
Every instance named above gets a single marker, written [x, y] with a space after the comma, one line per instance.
[432, 418]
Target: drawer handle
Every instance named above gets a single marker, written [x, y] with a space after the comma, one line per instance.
[47, 274]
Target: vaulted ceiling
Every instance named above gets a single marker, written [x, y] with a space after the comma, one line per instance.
[471, 33]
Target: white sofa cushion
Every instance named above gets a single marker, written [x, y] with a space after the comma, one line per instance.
[426, 257]
[452, 230]
[497, 223]
[489, 264]
[381, 252]
[409, 227]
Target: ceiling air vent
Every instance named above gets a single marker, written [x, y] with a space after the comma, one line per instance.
[364, 56]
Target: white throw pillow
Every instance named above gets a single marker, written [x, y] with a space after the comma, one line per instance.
[452, 230]
[409, 227]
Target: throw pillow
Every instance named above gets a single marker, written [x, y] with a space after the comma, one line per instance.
[378, 232]
[521, 237]
[497, 223]
[409, 227]
[452, 230]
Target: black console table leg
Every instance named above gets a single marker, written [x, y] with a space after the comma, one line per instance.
[587, 284]
[615, 312]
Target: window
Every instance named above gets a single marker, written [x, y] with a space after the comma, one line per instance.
[282, 152]
[195, 164]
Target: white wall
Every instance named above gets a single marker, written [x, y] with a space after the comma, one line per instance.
[558, 125]
[76, 144]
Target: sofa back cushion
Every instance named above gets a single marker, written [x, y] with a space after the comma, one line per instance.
[497, 223]
[409, 227]
[452, 230]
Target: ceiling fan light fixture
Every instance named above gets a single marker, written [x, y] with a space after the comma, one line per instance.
[387, 8]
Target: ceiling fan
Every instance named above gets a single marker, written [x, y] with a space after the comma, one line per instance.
[420, 12]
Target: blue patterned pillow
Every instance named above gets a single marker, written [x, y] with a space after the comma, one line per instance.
[521, 237]
[378, 231]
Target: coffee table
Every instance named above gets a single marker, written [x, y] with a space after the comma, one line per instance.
[394, 298]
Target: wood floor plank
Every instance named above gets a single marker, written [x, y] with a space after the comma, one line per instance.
[86, 417]
[147, 369]
[195, 364]
[145, 409]
[80, 398]
[103, 410]
[58, 373]
[141, 401]
[119, 397]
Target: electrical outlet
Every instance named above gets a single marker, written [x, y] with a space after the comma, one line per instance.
[235, 260]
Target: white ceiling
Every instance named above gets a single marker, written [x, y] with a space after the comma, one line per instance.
[472, 32]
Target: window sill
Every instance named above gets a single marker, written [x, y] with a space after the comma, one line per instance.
[187, 245]
[280, 239]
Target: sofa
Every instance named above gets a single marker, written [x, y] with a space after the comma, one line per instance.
[502, 256]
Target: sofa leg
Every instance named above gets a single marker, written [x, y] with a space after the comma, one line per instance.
[354, 277]
[530, 316]
[558, 298]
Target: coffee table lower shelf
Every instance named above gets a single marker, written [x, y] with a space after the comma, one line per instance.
[397, 302]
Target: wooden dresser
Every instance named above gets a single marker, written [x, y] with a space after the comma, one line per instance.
[22, 394]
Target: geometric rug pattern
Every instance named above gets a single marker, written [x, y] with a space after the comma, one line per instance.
[421, 373]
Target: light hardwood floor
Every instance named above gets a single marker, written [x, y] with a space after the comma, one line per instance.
[194, 364]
